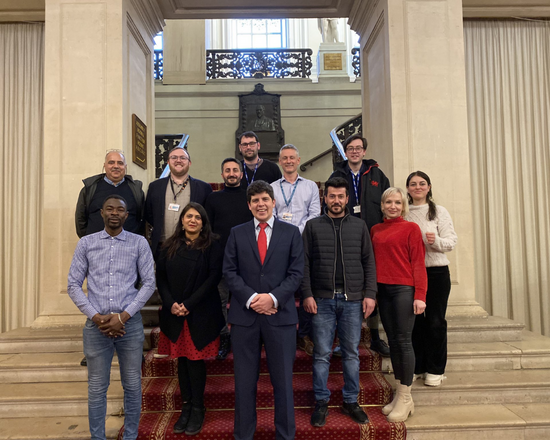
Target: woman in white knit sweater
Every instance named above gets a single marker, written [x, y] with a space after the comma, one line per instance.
[430, 329]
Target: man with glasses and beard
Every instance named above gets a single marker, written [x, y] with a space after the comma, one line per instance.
[255, 168]
[166, 197]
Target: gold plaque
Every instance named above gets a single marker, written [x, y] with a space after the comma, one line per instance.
[333, 61]
[139, 142]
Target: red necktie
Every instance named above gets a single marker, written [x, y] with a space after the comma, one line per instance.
[262, 242]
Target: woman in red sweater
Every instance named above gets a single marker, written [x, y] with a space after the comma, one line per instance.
[402, 282]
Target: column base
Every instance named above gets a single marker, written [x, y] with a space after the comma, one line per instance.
[465, 309]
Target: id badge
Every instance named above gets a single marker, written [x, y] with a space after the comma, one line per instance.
[173, 207]
[357, 209]
[287, 217]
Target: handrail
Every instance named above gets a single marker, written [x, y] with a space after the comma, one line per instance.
[182, 144]
[304, 166]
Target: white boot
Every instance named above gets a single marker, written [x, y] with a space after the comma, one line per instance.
[404, 405]
[389, 407]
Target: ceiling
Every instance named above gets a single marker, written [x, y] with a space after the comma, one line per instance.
[255, 8]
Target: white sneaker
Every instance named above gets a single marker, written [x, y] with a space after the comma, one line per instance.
[434, 380]
[419, 376]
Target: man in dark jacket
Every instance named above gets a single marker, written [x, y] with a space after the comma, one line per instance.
[88, 218]
[166, 197]
[367, 182]
[226, 209]
[342, 292]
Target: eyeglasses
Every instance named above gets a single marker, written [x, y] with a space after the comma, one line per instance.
[249, 144]
[354, 149]
[182, 158]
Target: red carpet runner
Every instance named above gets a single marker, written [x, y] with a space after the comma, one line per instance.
[161, 401]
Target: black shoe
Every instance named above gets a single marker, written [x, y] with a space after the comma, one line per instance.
[380, 347]
[319, 416]
[337, 351]
[84, 362]
[225, 347]
[355, 412]
[196, 420]
[182, 422]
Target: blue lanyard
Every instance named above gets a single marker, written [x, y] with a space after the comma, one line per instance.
[287, 202]
[355, 185]
[246, 172]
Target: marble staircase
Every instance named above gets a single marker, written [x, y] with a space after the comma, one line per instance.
[498, 386]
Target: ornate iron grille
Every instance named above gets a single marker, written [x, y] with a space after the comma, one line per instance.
[158, 64]
[250, 63]
[356, 61]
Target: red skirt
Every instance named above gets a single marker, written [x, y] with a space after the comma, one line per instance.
[184, 346]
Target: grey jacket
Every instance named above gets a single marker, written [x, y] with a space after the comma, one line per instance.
[320, 258]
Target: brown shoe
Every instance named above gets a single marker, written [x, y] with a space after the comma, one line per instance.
[306, 345]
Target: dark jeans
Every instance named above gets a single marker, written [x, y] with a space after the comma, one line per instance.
[304, 321]
[397, 313]
[430, 329]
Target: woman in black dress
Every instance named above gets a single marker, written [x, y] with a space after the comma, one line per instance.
[188, 271]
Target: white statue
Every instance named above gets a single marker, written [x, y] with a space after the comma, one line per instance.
[329, 29]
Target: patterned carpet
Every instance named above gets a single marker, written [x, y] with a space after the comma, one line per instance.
[161, 400]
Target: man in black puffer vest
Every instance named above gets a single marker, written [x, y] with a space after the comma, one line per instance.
[339, 289]
[88, 218]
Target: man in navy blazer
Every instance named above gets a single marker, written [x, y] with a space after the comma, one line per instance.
[166, 197]
[263, 309]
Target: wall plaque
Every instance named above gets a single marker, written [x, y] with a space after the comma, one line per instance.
[333, 61]
[139, 142]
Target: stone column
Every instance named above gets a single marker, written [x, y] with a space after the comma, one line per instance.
[414, 112]
[184, 50]
[98, 72]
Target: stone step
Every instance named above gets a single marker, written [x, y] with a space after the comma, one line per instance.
[530, 421]
[52, 399]
[473, 388]
[489, 329]
[453, 422]
[531, 352]
[27, 340]
[46, 367]
[55, 428]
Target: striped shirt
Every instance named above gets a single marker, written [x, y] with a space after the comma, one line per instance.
[112, 265]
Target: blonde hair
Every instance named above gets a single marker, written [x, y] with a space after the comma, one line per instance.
[390, 192]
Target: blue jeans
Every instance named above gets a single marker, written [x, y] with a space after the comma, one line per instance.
[347, 317]
[99, 350]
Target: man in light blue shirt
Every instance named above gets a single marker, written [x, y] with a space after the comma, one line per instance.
[296, 201]
[112, 260]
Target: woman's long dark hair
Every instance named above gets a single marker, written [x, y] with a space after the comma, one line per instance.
[178, 239]
[432, 212]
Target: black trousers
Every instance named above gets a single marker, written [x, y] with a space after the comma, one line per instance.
[430, 328]
[397, 313]
[192, 380]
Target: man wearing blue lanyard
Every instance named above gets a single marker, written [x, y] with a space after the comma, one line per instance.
[296, 202]
[255, 168]
[367, 182]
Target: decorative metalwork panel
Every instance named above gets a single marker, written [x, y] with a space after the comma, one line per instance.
[158, 68]
[249, 63]
[356, 61]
